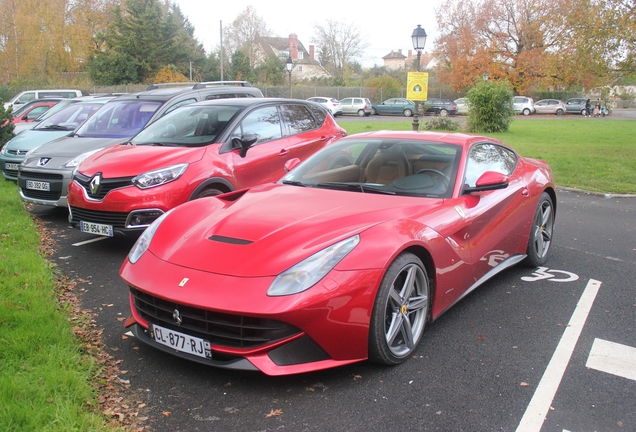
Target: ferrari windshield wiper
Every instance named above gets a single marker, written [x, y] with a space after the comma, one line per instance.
[354, 186]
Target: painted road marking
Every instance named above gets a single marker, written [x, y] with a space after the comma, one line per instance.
[96, 239]
[613, 358]
[539, 406]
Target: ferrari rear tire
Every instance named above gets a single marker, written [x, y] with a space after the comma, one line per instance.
[541, 232]
[400, 311]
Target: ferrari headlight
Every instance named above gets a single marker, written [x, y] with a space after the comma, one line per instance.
[308, 272]
[143, 242]
[74, 163]
[159, 176]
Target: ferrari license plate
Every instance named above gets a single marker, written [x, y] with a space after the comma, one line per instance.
[11, 166]
[95, 228]
[182, 342]
[38, 185]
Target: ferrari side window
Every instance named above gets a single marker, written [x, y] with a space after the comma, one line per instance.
[489, 157]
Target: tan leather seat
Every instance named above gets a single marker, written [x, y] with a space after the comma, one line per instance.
[387, 167]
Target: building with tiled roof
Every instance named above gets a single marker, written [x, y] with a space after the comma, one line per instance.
[305, 65]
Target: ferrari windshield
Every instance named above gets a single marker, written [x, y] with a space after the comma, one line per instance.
[389, 166]
[188, 126]
[119, 119]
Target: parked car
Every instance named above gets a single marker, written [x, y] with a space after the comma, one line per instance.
[360, 106]
[203, 149]
[63, 103]
[394, 106]
[462, 105]
[550, 106]
[439, 106]
[29, 95]
[263, 278]
[46, 172]
[61, 124]
[575, 106]
[523, 105]
[332, 104]
[32, 110]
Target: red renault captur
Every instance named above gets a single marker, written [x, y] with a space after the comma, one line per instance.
[202, 149]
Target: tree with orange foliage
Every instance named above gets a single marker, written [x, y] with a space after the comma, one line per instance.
[530, 43]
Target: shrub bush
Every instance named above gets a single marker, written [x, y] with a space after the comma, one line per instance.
[441, 123]
[491, 107]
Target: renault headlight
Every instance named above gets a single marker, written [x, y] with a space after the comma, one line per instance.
[143, 242]
[308, 272]
[160, 176]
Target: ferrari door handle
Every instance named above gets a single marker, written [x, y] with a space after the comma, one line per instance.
[525, 192]
[283, 152]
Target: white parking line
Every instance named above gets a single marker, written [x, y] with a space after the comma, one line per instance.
[96, 239]
[539, 406]
[613, 358]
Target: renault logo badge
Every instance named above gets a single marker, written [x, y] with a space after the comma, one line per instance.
[177, 317]
[95, 183]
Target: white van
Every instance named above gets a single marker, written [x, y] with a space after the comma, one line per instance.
[29, 95]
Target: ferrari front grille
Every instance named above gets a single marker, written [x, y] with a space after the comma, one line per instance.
[223, 329]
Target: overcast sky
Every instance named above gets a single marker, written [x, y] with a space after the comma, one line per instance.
[384, 29]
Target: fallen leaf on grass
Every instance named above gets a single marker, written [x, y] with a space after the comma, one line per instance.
[274, 413]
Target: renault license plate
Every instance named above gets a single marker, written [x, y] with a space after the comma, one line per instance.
[95, 228]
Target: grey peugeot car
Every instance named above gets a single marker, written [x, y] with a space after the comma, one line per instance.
[46, 172]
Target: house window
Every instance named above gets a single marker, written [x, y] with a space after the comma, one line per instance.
[300, 55]
[300, 70]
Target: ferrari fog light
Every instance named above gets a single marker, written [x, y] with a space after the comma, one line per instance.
[308, 272]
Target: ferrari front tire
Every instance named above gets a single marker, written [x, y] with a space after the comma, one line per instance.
[400, 311]
[541, 232]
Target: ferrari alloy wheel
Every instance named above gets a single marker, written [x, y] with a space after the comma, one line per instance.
[400, 311]
[541, 234]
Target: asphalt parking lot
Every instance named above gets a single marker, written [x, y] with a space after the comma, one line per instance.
[548, 349]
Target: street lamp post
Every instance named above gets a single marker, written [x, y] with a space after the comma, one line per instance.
[289, 64]
[419, 40]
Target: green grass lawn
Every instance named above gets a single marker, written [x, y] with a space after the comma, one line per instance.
[592, 154]
[45, 377]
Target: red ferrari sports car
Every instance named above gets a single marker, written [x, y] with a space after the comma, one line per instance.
[346, 258]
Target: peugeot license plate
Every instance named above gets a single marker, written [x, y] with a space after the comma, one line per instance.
[95, 228]
[11, 166]
[181, 342]
[38, 185]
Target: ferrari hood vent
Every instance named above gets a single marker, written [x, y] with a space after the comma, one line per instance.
[230, 240]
